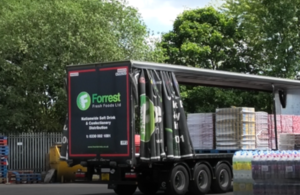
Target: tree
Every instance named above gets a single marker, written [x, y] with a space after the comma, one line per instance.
[204, 38]
[39, 38]
[271, 33]
[207, 38]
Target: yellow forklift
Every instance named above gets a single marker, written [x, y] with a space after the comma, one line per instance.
[62, 172]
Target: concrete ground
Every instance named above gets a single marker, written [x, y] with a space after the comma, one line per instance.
[59, 189]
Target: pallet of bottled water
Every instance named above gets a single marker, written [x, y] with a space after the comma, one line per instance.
[242, 172]
[266, 172]
[276, 172]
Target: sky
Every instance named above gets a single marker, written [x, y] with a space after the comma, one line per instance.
[159, 15]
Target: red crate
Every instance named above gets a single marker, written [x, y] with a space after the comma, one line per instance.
[3, 142]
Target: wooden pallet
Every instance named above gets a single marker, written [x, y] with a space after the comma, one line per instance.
[214, 151]
[2, 180]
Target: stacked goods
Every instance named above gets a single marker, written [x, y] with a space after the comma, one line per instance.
[201, 129]
[296, 124]
[276, 172]
[262, 130]
[235, 128]
[284, 124]
[289, 141]
[242, 174]
[3, 158]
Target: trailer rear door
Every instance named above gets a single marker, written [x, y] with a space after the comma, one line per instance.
[99, 112]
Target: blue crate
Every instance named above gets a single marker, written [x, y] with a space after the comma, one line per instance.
[3, 167]
[4, 153]
[3, 174]
[4, 148]
[3, 137]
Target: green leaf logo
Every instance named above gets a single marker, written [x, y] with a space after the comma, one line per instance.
[83, 101]
[147, 123]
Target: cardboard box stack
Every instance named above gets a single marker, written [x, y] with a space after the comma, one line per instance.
[284, 123]
[262, 130]
[235, 128]
[201, 129]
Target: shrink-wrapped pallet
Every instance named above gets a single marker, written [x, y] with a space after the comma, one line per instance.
[262, 130]
[296, 124]
[235, 128]
[201, 129]
[284, 124]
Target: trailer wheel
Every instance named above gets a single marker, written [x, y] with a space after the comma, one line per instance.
[222, 183]
[125, 189]
[201, 180]
[148, 188]
[179, 181]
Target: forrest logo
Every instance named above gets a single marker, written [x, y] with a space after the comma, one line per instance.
[83, 101]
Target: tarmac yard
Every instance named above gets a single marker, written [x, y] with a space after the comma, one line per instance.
[60, 189]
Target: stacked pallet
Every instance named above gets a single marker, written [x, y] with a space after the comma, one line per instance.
[3, 159]
[262, 130]
[235, 128]
[201, 129]
[23, 177]
[284, 123]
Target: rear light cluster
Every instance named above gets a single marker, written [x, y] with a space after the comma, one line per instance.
[130, 175]
[137, 141]
[79, 174]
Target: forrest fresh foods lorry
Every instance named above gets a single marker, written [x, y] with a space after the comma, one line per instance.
[110, 103]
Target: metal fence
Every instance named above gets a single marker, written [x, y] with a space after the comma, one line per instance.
[28, 151]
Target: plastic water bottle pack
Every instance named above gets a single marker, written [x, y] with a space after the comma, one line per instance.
[266, 172]
[242, 173]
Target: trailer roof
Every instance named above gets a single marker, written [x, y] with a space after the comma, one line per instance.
[208, 77]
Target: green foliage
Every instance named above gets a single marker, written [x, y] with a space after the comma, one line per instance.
[271, 29]
[210, 39]
[39, 38]
[204, 38]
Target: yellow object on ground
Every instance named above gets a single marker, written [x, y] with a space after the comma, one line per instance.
[64, 173]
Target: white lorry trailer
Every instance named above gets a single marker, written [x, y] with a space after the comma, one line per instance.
[109, 102]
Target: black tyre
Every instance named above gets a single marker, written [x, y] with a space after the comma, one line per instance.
[179, 181]
[125, 189]
[222, 183]
[201, 180]
[148, 188]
